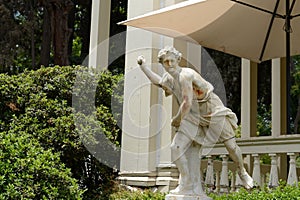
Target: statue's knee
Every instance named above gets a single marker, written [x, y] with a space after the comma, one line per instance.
[232, 148]
[175, 147]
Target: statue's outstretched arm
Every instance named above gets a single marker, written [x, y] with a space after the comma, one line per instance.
[153, 77]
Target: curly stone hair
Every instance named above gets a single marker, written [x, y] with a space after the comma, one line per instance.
[162, 53]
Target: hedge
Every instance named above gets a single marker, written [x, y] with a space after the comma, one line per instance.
[38, 105]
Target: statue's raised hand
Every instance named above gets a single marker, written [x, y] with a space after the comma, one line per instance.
[141, 60]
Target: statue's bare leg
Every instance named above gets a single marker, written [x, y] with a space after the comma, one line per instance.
[185, 155]
[195, 165]
[179, 151]
[236, 155]
[234, 150]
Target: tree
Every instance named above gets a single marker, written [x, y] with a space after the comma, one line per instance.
[44, 32]
[20, 22]
[57, 12]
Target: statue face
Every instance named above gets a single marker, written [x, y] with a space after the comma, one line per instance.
[170, 62]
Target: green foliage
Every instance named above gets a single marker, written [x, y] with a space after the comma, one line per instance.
[264, 122]
[138, 195]
[296, 88]
[283, 192]
[238, 132]
[295, 94]
[27, 171]
[39, 104]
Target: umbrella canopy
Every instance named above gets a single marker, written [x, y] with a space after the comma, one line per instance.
[252, 29]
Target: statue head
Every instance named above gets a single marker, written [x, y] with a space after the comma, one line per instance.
[168, 50]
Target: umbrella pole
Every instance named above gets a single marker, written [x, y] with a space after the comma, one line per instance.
[288, 65]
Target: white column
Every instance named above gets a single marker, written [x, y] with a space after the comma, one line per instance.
[278, 97]
[279, 112]
[248, 103]
[99, 43]
[249, 98]
[140, 109]
[147, 132]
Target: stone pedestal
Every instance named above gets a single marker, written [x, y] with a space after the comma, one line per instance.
[186, 197]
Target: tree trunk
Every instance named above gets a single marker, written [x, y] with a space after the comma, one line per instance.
[57, 12]
[60, 30]
[46, 39]
[71, 23]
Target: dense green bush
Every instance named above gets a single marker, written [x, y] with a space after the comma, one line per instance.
[39, 104]
[283, 192]
[27, 171]
[137, 195]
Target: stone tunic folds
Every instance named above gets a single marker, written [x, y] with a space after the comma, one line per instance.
[208, 121]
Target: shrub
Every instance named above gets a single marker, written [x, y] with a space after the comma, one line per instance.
[39, 104]
[27, 171]
[283, 192]
[137, 195]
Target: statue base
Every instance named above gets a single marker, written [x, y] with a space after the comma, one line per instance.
[186, 197]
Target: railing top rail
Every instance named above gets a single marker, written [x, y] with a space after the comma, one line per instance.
[261, 145]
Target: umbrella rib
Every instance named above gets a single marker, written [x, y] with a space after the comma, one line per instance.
[295, 16]
[269, 30]
[258, 8]
[292, 7]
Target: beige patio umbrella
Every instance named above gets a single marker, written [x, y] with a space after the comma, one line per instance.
[252, 29]
[258, 30]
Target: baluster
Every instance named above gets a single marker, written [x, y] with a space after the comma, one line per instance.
[263, 180]
[273, 182]
[256, 175]
[232, 185]
[217, 182]
[209, 179]
[201, 178]
[292, 177]
[238, 182]
[224, 182]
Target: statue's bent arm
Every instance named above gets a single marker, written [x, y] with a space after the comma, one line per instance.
[187, 97]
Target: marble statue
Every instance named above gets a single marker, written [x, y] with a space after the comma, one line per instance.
[202, 119]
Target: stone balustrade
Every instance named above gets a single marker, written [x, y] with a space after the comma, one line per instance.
[220, 174]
